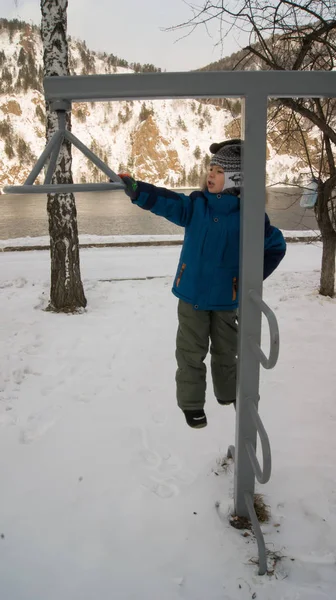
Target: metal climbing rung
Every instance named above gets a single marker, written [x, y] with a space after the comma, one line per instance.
[49, 157]
[262, 474]
[270, 362]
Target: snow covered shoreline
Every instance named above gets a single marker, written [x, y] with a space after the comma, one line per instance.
[96, 241]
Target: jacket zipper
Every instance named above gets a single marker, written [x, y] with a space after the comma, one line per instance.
[234, 289]
[180, 274]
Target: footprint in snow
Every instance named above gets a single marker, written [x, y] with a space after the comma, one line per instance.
[162, 489]
[19, 375]
[7, 417]
[169, 473]
[38, 425]
[150, 458]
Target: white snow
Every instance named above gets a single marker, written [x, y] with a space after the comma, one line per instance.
[86, 239]
[92, 239]
[105, 491]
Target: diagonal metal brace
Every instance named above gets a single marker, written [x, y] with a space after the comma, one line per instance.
[52, 150]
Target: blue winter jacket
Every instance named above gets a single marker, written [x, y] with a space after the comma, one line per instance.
[208, 269]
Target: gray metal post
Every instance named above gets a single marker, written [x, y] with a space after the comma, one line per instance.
[251, 278]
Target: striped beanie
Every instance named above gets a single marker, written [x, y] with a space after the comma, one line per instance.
[228, 156]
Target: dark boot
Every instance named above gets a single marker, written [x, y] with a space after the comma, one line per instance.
[195, 418]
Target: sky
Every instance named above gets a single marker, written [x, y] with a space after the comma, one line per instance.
[135, 33]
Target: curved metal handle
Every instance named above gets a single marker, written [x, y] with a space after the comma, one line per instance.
[270, 362]
[262, 474]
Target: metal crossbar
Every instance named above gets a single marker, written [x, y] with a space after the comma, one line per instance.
[254, 88]
[202, 84]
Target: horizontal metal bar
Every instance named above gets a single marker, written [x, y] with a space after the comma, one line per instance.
[270, 362]
[262, 475]
[200, 84]
[62, 188]
[258, 533]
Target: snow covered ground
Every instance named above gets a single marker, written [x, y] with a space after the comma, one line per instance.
[110, 240]
[105, 492]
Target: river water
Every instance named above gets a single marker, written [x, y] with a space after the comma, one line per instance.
[111, 213]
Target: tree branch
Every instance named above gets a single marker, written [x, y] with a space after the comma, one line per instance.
[264, 58]
[305, 9]
[308, 42]
[311, 116]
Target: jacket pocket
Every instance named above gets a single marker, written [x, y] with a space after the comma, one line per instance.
[178, 280]
[224, 289]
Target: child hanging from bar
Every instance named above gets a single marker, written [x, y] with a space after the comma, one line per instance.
[206, 281]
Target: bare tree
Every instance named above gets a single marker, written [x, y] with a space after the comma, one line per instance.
[66, 293]
[298, 36]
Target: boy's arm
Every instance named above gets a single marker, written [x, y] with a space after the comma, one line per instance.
[177, 208]
[275, 248]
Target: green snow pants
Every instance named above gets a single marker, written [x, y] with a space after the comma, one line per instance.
[195, 330]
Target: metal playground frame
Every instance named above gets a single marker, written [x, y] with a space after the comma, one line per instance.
[254, 88]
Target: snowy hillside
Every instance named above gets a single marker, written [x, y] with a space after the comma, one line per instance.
[164, 141]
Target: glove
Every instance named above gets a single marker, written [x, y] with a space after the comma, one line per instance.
[131, 185]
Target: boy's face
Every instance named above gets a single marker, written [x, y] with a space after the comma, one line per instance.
[215, 179]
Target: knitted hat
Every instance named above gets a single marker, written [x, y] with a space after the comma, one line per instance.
[227, 155]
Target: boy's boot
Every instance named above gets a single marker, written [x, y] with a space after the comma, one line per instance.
[195, 418]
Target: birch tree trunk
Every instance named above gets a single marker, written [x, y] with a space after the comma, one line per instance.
[66, 291]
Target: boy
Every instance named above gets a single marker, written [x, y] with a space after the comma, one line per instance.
[206, 281]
